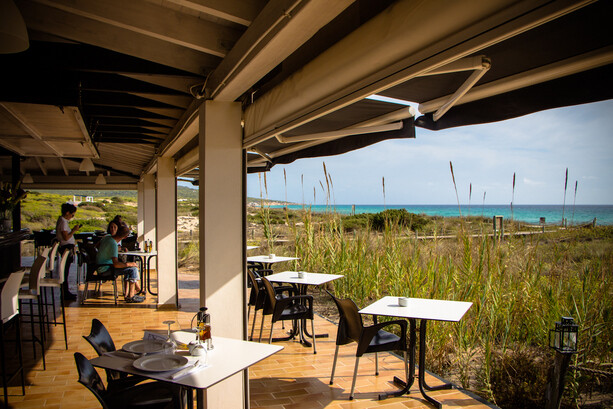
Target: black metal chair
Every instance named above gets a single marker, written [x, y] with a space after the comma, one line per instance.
[100, 339]
[371, 339]
[93, 275]
[257, 296]
[9, 312]
[152, 395]
[294, 308]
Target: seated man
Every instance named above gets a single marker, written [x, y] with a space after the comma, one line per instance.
[108, 254]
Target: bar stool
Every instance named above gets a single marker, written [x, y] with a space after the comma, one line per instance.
[9, 311]
[51, 262]
[58, 283]
[33, 293]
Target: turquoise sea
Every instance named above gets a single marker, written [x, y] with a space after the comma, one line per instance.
[578, 214]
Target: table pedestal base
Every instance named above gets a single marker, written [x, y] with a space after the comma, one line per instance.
[421, 377]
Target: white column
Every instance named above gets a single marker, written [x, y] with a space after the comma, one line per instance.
[140, 213]
[166, 232]
[222, 237]
[149, 207]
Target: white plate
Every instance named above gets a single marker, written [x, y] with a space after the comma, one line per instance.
[160, 362]
[144, 346]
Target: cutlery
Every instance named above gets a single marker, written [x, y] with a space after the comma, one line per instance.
[185, 370]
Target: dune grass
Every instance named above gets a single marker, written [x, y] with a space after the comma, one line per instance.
[519, 287]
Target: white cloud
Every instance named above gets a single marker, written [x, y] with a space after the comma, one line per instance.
[533, 182]
[537, 147]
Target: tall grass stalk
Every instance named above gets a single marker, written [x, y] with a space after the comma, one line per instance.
[456, 188]
[383, 185]
[572, 220]
[483, 204]
[512, 196]
[564, 203]
[470, 194]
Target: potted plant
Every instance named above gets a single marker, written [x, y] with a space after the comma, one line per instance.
[9, 197]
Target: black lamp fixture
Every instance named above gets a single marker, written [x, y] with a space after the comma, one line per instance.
[564, 337]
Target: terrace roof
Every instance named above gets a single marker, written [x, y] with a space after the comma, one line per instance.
[121, 82]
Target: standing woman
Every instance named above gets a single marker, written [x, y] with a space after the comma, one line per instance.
[65, 236]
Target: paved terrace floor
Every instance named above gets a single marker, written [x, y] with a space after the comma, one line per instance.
[291, 379]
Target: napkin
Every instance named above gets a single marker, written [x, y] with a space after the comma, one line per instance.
[122, 354]
[188, 370]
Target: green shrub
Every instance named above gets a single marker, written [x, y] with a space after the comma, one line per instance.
[398, 217]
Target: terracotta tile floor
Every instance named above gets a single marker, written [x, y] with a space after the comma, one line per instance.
[293, 378]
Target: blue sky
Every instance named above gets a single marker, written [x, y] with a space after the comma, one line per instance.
[537, 147]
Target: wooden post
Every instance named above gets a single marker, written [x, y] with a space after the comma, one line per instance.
[555, 386]
[498, 220]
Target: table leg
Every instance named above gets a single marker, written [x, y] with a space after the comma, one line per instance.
[201, 399]
[141, 268]
[422, 369]
[303, 327]
[149, 274]
[406, 385]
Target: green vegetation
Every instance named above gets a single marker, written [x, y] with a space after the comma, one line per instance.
[519, 287]
[41, 210]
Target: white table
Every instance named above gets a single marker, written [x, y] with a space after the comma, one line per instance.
[301, 283]
[228, 357]
[267, 261]
[424, 310]
[252, 247]
[291, 277]
[146, 274]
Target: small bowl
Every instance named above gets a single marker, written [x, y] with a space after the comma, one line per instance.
[301, 274]
[403, 301]
[271, 256]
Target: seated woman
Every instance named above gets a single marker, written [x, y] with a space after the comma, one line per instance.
[108, 254]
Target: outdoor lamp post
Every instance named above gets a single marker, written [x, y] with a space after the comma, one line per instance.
[563, 339]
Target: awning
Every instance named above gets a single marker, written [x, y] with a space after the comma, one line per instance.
[353, 127]
[567, 61]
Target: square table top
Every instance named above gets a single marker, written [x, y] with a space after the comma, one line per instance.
[138, 253]
[228, 357]
[266, 260]
[291, 277]
[252, 247]
[420, 308]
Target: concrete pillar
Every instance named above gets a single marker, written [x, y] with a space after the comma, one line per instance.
[149, 213]
[166, 232]
[222, 235]
[140, 213]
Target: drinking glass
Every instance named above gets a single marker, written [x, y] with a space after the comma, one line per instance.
[171, 346]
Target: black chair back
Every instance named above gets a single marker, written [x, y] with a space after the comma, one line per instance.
[269, 297]
[350, 322]
[90, 378]
[257, 296]
[99, 338]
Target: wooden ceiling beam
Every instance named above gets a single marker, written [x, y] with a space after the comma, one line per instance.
[41, 165]
[63, 163]
[177, 83]
[241, 12]
[122, 83]
[22, 122]
[149, 19]
[45, 18]
[174, 100]
[279, 30]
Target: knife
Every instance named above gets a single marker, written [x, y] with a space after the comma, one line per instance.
[185, 370]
